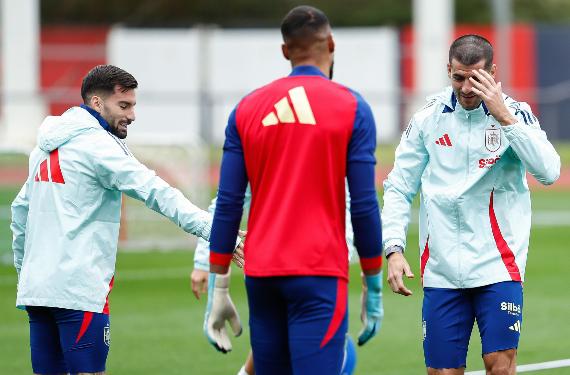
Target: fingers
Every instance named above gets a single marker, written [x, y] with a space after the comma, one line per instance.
[237, 257]
[199, 282]
[488, 77]
[235, 323]
[479, 93]
[221, 341]
[397, 267]
[367, 333]
[408, 271]
[195, 291]
[484, 78]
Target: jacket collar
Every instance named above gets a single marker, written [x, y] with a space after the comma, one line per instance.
[307, 70]
[450, 105]
[98, 116]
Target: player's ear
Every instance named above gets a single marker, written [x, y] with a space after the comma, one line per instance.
[331, 44]
[449, 70]
[285, 51]
[96, 103]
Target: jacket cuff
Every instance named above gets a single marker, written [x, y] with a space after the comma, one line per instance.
[371, 263]
[220, 259]
[393, 249]
[393, 242]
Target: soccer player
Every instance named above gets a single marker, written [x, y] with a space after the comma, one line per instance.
[199, 283]
[468, 151]
[65, 223]
[295, 140]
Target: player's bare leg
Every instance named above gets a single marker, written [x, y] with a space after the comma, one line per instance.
[249, 364]
[503, 362]
[247, 368]
[445, 371]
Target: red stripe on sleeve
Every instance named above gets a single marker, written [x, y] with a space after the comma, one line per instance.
[55, 169]
[220, 259]
[371, 263]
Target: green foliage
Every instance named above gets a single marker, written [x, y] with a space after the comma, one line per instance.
[260, 13]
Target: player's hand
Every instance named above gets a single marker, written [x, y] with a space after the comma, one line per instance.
[238, 255]
[220, 309]
[199, 282]
[397, 267]
[372, 308]
[491, 92]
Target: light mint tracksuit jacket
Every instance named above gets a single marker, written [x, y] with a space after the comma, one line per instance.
[475, 212]
[65, 220]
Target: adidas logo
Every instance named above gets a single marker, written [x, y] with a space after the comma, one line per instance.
[444, 141]
[284, 114]
[51, 173]
[516, 327]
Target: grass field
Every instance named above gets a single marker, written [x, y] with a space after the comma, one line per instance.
[157, 323]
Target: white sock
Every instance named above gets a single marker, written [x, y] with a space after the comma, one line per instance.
[242, 371]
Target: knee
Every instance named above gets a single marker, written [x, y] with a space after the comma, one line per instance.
[501, 369]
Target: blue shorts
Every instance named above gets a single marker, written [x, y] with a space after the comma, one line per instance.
[63, 341]
[298, 324]
[448, 316]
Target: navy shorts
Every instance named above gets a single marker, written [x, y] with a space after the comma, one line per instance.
[298, 324]
[448, 316]
[63, 341]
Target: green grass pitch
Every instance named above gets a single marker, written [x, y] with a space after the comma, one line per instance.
[157, 324]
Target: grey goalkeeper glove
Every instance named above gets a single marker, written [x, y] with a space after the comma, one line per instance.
[219, 309]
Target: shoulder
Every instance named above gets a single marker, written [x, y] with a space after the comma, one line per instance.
[434, 106]
[100, 143]
[521, 110]
[514, 104]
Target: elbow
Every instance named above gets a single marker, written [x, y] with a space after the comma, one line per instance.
[551, 176]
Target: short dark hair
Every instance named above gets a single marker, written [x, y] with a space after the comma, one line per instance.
[470, 49]
[303, 23]
[102, 79]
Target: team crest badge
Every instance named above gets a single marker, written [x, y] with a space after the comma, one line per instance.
[492, 139]
[107, 335]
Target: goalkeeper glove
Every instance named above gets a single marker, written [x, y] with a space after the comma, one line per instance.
[219, 309]
[372, 309]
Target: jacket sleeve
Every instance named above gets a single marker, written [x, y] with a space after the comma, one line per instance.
[231, 195]
[402, 185]
[349, 232]
[118, 169]
[360, 175]
[202, 252]
[20, 207]
[530, 144]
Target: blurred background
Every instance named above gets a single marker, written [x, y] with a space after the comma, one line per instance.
[194, 60]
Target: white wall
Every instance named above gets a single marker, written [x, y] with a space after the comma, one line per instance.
[174, 66]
